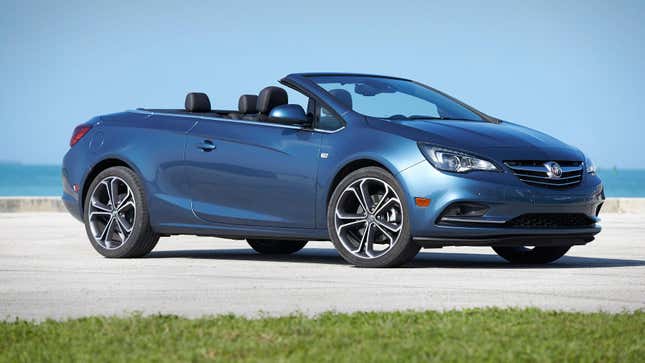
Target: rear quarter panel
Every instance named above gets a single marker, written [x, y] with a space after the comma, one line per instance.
[153, 146]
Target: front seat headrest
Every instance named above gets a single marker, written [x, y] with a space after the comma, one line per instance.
[248, 104]
[342, 96]
[197, 102]
[270, 97]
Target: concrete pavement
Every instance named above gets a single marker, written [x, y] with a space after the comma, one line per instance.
[49, 270]
[55, 204]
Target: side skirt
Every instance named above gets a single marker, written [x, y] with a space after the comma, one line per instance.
[244, 232]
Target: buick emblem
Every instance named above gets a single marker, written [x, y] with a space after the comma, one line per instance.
[553, 170]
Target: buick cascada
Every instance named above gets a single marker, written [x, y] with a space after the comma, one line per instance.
[381, 166]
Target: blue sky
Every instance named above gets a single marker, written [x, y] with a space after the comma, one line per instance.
[574, 69]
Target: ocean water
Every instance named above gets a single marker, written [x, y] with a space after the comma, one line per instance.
[30, 180]
[45, 180]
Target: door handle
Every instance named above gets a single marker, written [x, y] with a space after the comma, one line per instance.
[206, 146]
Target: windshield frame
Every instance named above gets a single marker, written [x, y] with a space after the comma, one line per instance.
[312, 78]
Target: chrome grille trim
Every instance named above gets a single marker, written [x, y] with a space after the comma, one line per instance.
[544, 177]
[540, 169]
[533, 173]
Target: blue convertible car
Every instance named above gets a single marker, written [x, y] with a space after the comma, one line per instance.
[382, 166]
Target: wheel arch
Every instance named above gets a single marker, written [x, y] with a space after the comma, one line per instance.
[98, 168]
[350, 167]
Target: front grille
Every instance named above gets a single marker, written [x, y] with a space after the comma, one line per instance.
[552, 220]
[534, 172]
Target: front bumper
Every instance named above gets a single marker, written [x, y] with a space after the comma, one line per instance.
[547, 239]
[507, 198]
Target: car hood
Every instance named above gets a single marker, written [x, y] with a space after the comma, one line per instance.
[502, 141]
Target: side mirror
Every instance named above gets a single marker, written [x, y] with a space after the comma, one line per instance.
[289, 114]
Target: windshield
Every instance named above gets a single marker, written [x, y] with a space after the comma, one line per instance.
[393, 98]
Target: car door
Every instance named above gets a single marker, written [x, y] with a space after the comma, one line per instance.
[252, 173]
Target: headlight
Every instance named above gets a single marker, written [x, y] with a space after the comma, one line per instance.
[456, 161]
[590, 167]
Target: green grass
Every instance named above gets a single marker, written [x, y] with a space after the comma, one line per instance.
[478, 335]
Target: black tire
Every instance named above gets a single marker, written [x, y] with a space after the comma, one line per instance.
[275, 247]
[403, 250]
[531, 256]
[142, 239]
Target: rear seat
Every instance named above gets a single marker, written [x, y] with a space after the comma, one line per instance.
[250, 107]
[247, 107]
[197, 102]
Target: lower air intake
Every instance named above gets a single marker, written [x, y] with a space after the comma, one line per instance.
[551, 221]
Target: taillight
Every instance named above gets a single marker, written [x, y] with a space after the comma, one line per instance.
[79, 132]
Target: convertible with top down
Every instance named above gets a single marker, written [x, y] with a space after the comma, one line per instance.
[381, 166]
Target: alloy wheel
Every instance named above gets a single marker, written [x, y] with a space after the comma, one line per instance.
[368, 218]
[112, 212]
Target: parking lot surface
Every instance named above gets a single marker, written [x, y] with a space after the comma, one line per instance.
[49, 270]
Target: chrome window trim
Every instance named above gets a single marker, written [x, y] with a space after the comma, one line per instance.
[151, 113]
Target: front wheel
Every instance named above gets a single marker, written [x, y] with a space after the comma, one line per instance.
[368, 222]
[534, 256]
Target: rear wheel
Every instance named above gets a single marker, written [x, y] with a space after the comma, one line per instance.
[116, 215]
[535, 255]
[368, 220]
[276, 247]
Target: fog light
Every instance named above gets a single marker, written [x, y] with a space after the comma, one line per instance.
[465, 210]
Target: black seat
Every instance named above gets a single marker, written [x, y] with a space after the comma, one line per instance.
[269, 98]
[246, 108]
[197, 102]
[248, 104]
[342, 96]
